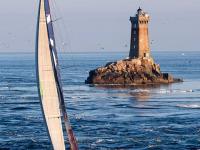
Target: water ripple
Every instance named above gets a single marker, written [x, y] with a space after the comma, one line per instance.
[162, 117]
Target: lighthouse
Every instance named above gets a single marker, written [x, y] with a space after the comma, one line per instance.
[139, 35]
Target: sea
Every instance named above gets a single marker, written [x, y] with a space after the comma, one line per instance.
[165, 117]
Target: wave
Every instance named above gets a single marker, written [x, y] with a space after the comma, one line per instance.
[192, 106]
[141, 90]
[20, 108]
[164, 91]
[104, 140]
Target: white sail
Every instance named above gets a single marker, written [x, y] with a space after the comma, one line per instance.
[49, 82]
[49, 95]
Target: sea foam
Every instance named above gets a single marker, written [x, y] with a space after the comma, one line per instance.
[192, 106]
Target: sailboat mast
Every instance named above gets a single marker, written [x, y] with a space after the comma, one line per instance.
[72, 139]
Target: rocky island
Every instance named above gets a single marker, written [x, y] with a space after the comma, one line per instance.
[139, 68]
[130, 72]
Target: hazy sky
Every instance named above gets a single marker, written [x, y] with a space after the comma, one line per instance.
[90, 25]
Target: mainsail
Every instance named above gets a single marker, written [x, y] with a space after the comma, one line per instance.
[49, 82]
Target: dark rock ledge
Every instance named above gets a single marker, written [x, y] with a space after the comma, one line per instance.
[138, 71]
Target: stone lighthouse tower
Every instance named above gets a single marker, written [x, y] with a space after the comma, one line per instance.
[139, 35]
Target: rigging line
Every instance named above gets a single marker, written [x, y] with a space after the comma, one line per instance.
[56, 16]
[57, 28]
[57, 19]
[63, 44]
[59, 32]
[65, 34]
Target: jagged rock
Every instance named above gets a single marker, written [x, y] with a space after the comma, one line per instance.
[130, 72]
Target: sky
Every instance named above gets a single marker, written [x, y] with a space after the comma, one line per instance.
[101, 25]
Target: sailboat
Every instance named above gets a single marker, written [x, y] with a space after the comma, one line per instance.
[49, 81]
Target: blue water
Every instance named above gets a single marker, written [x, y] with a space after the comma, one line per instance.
[162, 117]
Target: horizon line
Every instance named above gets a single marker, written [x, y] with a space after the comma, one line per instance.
[68, 52]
